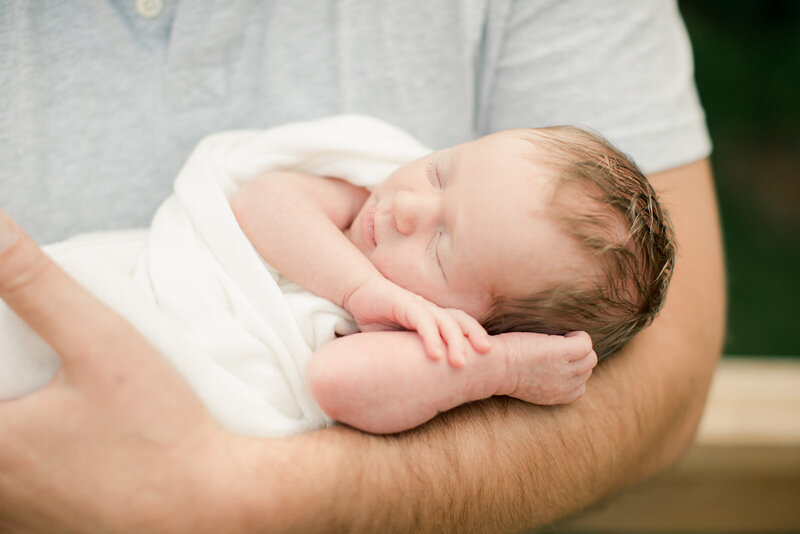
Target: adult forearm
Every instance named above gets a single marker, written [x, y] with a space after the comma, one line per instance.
[686, 342]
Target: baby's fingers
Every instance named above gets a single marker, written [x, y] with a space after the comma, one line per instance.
[428, 330]
[574, 389]
[574, 395]
[454, 337]
[471, 328]
[578, 384]
[451, 333]
[420, 317]
[581, 379]
[585, 364]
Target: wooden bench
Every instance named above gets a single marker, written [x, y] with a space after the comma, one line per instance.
[741, 475]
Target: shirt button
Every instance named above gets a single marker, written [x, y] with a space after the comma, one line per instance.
[149, 9]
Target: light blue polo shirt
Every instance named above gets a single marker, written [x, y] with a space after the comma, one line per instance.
[104, 100]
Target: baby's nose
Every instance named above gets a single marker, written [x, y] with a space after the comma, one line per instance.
[413, 211]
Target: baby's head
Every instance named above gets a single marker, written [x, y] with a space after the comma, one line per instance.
[542, 230]
[603, 203]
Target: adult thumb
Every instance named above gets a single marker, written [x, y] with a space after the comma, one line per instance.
[74, 322]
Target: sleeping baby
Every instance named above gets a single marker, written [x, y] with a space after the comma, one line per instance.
[544, 230]
[374, 301]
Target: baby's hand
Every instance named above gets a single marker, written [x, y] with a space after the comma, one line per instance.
[556, 375]
[379, 304]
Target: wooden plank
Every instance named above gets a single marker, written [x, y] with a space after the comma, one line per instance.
[754, 401]
[714, 488]
[742, 474]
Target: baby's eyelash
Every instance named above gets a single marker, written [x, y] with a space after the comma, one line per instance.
[434, 247]
[433, 174]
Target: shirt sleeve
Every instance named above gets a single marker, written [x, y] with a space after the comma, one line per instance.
[623, 68]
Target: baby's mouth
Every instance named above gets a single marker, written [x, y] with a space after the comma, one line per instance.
[369, 227]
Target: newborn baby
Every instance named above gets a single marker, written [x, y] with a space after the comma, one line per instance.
[549, 230]
[543, 230]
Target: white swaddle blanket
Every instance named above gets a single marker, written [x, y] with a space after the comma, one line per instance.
[239, 332]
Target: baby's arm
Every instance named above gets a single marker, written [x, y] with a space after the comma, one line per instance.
[295, 222]
[382, 382]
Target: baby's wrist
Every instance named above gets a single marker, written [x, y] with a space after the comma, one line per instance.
[358, 292]
[507, 350]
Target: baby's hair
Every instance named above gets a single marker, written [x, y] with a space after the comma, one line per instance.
[606, 205]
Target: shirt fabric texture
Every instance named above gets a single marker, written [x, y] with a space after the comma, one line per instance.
[102, 106]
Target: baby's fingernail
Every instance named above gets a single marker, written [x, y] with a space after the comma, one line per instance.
[9, 233]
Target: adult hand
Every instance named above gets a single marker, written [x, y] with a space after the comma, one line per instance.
[111, 444]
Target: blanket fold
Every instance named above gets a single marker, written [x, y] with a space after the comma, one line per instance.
[239, 332]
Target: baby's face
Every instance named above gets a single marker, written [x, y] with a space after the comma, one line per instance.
[466, 224]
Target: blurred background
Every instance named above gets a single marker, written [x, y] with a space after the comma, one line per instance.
[747, 66]
[742, 474]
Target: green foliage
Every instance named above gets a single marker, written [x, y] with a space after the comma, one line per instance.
[747, 64]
